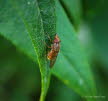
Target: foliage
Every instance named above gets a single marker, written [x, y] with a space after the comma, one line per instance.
[26, 26]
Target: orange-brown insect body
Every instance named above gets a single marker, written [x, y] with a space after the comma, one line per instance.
[55, 47]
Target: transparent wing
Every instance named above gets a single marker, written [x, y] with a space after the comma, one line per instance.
[52, 62]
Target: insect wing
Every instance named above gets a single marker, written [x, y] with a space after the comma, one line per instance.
[52, 62]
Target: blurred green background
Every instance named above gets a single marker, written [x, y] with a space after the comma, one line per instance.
[20, 76]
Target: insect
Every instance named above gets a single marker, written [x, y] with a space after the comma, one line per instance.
[55, 47]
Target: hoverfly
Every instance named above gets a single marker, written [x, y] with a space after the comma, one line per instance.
[55, 47]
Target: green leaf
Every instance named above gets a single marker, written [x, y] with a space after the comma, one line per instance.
[26, 23]
[74, 10]
[13, 28]
[71, 66]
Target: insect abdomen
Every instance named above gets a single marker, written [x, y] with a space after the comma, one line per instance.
[52, 55]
